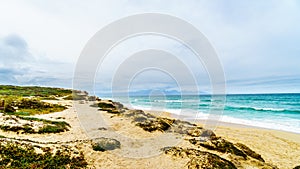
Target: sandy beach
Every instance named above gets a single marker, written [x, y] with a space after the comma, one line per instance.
[143, 149]
[280, 148]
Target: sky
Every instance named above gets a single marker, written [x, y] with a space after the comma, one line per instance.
[257, 43]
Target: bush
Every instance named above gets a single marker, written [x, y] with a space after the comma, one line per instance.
[14, 155]
[29, 106]
[25, 91]
[49, 126]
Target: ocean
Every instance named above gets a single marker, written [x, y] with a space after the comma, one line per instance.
[272, 111]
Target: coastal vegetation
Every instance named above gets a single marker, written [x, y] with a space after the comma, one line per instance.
[32, 125]
[27, 91]
[16, 105]
[18, 155]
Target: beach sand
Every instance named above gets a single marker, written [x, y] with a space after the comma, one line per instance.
[277, 147]
[142, 149]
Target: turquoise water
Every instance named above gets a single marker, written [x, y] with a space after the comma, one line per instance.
[274, 111]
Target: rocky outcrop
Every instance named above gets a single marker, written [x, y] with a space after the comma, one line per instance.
[199, 159]
[183, 127]
[221, 145]
[155, 124]
[111, 107]
[104, 144]
[239, 154]
[138, 114]
[249, 152]
[149, 122]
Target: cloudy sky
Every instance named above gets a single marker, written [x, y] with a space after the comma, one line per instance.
[257, 42]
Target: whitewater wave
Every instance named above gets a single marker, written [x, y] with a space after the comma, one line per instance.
[177, 101]
[290, 125]
[261, 109]
[268, 109]
[287, 125]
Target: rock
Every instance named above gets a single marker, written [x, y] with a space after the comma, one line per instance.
[148, 122]
[113, 111]
[111, 107]
[104, 105]
[102, 128]
[194, 132]
[200, 132]
[157, 124]
[103, 144]
[92, 98]
[184, 123]
[139, 118]
[118, 105]
[250, 152]
[199, 159]
[184, 127]
[221, 145]
[110, 104]
[297, 167]
[138, 113]
[210, 161]
[208, 134]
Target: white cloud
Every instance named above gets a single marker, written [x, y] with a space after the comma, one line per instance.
[19, 66]
[254, 39]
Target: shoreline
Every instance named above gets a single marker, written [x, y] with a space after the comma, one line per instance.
[220, 125]
[278, 147]
[203, 121]
[227, 125]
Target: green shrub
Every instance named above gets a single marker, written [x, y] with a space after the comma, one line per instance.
[49, 126]
[26, 91]
[14, 155]
[29, 106]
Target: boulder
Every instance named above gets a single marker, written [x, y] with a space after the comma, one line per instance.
[208, 134]
[111, 107]
[156, 124]
[104, 144]
[138, 113]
